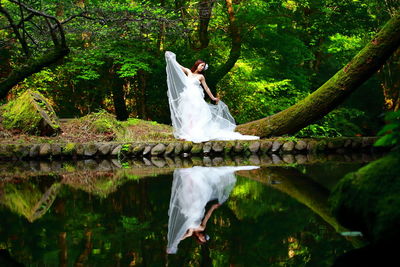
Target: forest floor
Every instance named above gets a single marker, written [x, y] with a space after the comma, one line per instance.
[95, 128]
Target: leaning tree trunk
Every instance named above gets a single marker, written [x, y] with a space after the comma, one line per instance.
[335, 90]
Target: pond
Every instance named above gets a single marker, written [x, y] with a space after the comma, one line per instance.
[107, 215]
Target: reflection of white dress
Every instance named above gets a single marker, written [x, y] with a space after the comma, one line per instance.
[192, 189]
[192, 117]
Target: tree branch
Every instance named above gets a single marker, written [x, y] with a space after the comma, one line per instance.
[24, 45]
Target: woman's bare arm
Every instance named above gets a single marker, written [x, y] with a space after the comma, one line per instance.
[188, 233]
[185, 70]
[208, 91]
[208, 215]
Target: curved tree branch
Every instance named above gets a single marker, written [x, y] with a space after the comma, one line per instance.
[33, 65]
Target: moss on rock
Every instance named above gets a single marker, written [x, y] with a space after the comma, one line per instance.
[31, 113]
[368, 200]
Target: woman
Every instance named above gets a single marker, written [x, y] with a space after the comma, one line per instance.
[192, 117]
[192, 189]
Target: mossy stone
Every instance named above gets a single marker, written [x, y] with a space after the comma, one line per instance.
[288, 146]
[254, 146]
[158, 150]
[265, 146]
[55, 150]
[207, 147]
[276, 145]
[90, 149]
[196, 148]
[68, 149]
[300, 145]
[169, 149]
[178, 148]
[368, 200]
[104, 149]
[138, 149]
[228, 146]
[187, 146]
[31, 113]
[218, 146]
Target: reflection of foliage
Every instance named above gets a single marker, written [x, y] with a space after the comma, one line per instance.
[132, 224]
[251, 99]
[391, 131]
[97, 183]
[244, 196]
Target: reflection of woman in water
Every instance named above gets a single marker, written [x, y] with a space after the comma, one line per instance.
[192, 189]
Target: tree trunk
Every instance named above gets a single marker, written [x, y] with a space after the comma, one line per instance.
[335, 90]
[117, 90]
[141, 95]
[234, 54]
[205, 8]
[5, 60]
[119, 99]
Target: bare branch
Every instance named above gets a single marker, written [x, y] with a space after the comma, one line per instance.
[39, 13]
[24, 45]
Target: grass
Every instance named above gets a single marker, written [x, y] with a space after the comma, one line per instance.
[96, 127]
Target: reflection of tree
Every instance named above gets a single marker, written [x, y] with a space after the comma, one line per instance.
[302, 188]
[292, 182]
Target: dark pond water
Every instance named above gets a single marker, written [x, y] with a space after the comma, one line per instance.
[270, 216]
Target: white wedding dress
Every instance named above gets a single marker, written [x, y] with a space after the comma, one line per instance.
[193, 119]
[192, 189]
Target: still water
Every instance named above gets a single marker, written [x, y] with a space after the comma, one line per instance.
[269, 215]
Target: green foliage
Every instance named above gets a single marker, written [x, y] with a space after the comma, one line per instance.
[340, 122]
[102, 122]
[250, 99]
[390, 132]
[288, 49]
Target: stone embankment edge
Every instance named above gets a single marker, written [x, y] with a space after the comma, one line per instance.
[125, 150]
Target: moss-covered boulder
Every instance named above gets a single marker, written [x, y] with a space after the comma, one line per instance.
[31, 113]
[368, 200]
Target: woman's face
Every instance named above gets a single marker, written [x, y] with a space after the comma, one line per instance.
[200, 67]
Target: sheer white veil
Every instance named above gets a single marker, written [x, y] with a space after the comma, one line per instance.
[177, 81]
[192, 189]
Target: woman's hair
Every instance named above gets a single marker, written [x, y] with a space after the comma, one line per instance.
[197, 238]
[196, 64]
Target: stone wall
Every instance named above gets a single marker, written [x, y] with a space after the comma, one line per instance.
[276, 146]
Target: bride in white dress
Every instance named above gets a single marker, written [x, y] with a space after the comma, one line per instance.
[193, 119]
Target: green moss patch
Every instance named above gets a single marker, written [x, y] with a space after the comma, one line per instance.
[32, 114]
[368, 200]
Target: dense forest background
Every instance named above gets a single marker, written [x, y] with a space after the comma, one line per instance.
[264, 56]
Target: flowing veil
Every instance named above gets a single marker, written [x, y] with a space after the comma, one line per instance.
[177, 82]
[192, 189]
